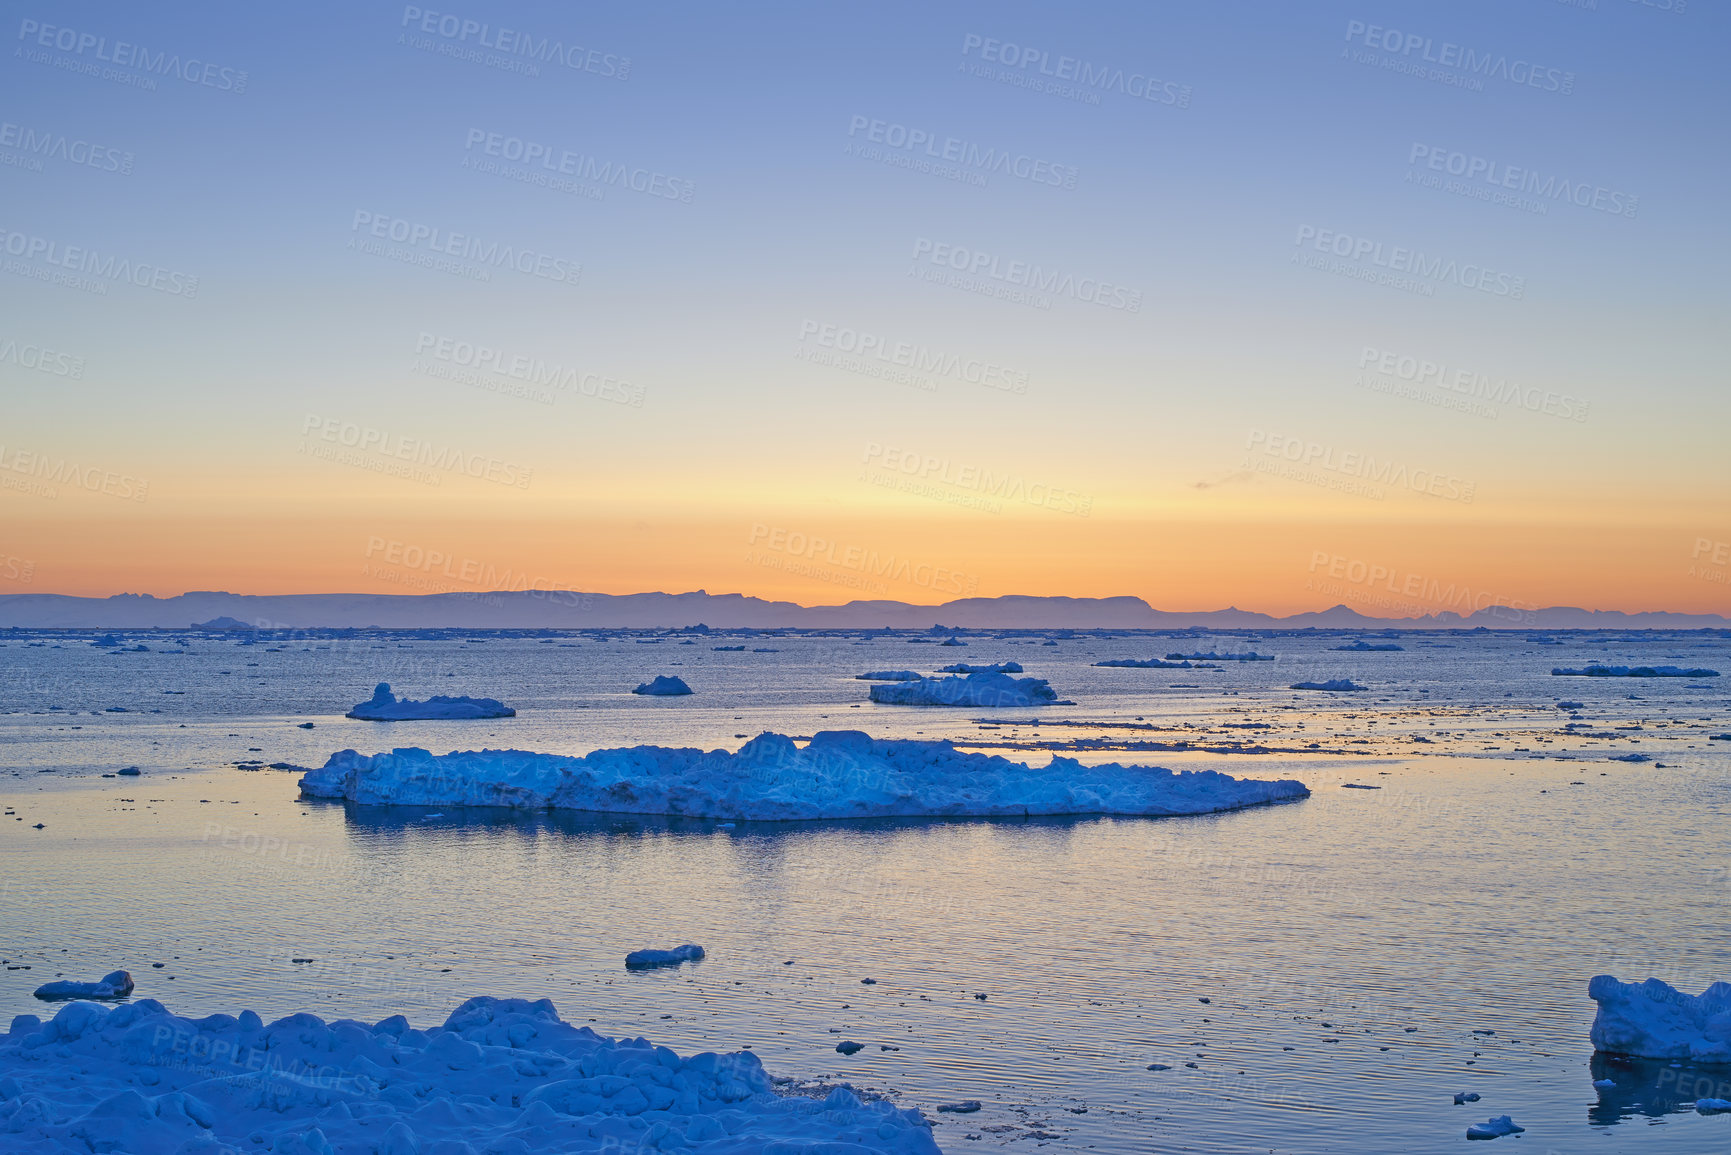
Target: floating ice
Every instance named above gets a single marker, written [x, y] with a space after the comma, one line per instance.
[1333, 685]
[1604, 1084]
[1251, 656]
[998, 668]
[646, 959]
[965, 1107]
[1597, 671]
[1654, 1020]
[1466, 1097]
[501, 1075]
[1152, 664]
[114, 985]
[889, 676]
[1363, 647]
[1570, 705]
[967, 690]
[1494, 1128]
[849, 1047]
[839, 774]
[385, 706]
[663, 687]
[1712, 1106]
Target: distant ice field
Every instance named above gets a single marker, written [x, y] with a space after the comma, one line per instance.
[1512, 850]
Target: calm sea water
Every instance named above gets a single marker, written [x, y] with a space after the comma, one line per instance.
[1350, 948]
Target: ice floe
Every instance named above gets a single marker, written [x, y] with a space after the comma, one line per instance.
[649, 959]
[967, 690]
[385, 706]
[114, 985]
[663, 687]
[838, 774]
[1654, 1020]
[1597, 671]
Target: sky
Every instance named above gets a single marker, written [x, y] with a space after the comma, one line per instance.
[1269, 305]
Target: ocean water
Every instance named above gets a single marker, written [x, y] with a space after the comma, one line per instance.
[1328, 966]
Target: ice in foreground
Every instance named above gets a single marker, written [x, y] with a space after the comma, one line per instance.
[114, 985]
[501, 1075]
[839, 774]
[1654, 1020]
[385, 706]
[967, 690]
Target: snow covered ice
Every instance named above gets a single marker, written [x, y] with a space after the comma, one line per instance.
[1654, 1020]
[649, 958]
[839, 774]
[663, 687]
[114, 985]
[501, 1075]
[385, 706]
[994, 690]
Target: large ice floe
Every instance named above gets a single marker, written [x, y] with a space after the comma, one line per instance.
[1597, 671]
[663, 686]
[1154, 664]
[888, 676]
[967, 690]
[839, 774]
[1654, 1020]
[503, 1076]
[114, 985]
[385, 706]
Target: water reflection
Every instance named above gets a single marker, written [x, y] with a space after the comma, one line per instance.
[1653, 1087]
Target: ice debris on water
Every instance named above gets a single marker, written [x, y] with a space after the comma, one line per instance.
[385, 706]
[646, 959]
[1494, 1128]
[114, 985]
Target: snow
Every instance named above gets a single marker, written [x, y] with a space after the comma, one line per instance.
[663, 687]
[1494, 1128]
[114, 985]
[998, 668]
[646, 959]
[1153, 664]
[385, 706]
[839, 774]
[967, 690]
[1597, 671]
[1333, 685]
[1654, 1020]
[501, 1075]
[888, 676]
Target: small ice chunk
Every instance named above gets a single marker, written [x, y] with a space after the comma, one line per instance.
[1494, 1128]
[114, 985]
[1466, 1097]
[965, 1107]
[646, 959]
[1604, 1084]
[1711, 1106]
[848, 1046]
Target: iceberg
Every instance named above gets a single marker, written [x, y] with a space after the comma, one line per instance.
[993, 690]
[1597, 671]
[663, 687]
[385, 706]
[1154, 664]
[500, 1075]
[1333, 685]
[1654, 1020]
[647, 959]
[888, 676]
[1363, 647]
[965, 668]
[114, 985]
[838, 774]
[1251, 656]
